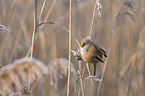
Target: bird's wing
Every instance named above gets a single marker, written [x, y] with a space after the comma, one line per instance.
[102, 51]
[97, 58]
[98, 45]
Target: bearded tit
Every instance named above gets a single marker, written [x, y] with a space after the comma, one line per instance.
[91, 52]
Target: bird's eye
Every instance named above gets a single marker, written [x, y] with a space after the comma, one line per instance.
[83, 45]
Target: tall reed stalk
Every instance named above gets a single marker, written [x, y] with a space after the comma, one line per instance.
[70, 33]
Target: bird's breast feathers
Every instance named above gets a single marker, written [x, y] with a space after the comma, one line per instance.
[83, 52]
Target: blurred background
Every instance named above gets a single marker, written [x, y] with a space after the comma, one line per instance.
[125, 72]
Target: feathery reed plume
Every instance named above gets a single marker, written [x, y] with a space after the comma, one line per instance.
[131, 4]
[99, 8]
[55, 83]
[4, 28]
[60, 66]
[13, 75]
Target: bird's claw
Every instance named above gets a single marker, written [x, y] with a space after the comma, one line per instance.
[93, 78]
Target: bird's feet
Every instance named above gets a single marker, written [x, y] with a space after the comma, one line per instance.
[91, 77]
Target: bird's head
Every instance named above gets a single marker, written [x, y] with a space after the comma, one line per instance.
[86, 43]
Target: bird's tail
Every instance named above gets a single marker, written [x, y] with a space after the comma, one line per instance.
[104, 52]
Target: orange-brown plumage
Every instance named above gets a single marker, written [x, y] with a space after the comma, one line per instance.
[92, 52]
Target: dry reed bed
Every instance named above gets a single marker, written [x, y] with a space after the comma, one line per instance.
[55, 83]
[125, 70]
[45, 80]
[12, 76]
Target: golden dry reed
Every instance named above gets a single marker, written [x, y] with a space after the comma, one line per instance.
[123, 74]
[14, 75]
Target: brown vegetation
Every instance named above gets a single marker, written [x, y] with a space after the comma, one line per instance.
[124, 73]
[48, 80]
[14, 76]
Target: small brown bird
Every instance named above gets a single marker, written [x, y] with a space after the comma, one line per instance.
[91, 52]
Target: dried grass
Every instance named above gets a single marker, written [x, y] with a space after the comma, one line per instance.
[13, 75]
[3, 28]
[60, 66]
[126, 54]
[54, 84]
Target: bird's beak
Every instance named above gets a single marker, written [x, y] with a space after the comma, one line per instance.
[81, 45]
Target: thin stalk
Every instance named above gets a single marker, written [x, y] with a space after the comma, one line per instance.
[105, 64]
[93, 19]
[89, 73]
[81, 84]
[70, 33]
[33, 36]
[49, 11]
[42, 8]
